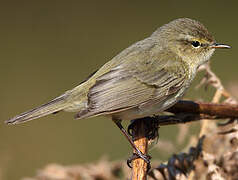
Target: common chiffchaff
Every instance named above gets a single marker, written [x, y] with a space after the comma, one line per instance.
[143, 80]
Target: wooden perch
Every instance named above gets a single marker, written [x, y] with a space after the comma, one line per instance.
[139, 166]
[209, 109]
[187, 111]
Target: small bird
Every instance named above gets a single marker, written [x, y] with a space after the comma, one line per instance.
[144, 79]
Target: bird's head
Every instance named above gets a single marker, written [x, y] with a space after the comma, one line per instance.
[189, 39]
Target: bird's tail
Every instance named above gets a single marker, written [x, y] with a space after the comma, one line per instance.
[53, 106]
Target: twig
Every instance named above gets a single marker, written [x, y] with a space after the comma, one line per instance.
[195, 111]
[139, 166]
[205, 125]
[213, 80]
[182, 119]
[211, 109]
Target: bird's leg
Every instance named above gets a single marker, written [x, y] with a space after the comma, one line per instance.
[138, 153]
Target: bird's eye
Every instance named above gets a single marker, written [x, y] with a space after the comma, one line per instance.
[196, 44]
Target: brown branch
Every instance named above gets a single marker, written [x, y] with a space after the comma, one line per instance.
[209, 109]
[139, 166]
[188, 111]
[182, 118]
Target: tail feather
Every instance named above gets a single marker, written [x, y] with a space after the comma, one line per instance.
[53, 106]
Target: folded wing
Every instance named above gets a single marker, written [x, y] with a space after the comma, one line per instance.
[135, 83]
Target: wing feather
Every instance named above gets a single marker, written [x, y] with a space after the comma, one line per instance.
[134, 84]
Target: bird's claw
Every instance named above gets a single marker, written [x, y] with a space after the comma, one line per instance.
[152, 130]
[130, 127]
[145, 157]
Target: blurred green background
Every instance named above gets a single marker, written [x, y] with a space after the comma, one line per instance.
[48, 47]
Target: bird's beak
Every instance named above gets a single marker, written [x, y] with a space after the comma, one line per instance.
[218, 45]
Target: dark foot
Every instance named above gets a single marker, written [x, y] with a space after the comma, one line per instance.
[146, 158]
[130, 127]
[152, 131]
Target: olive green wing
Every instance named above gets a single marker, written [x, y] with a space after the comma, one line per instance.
[135, 83]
